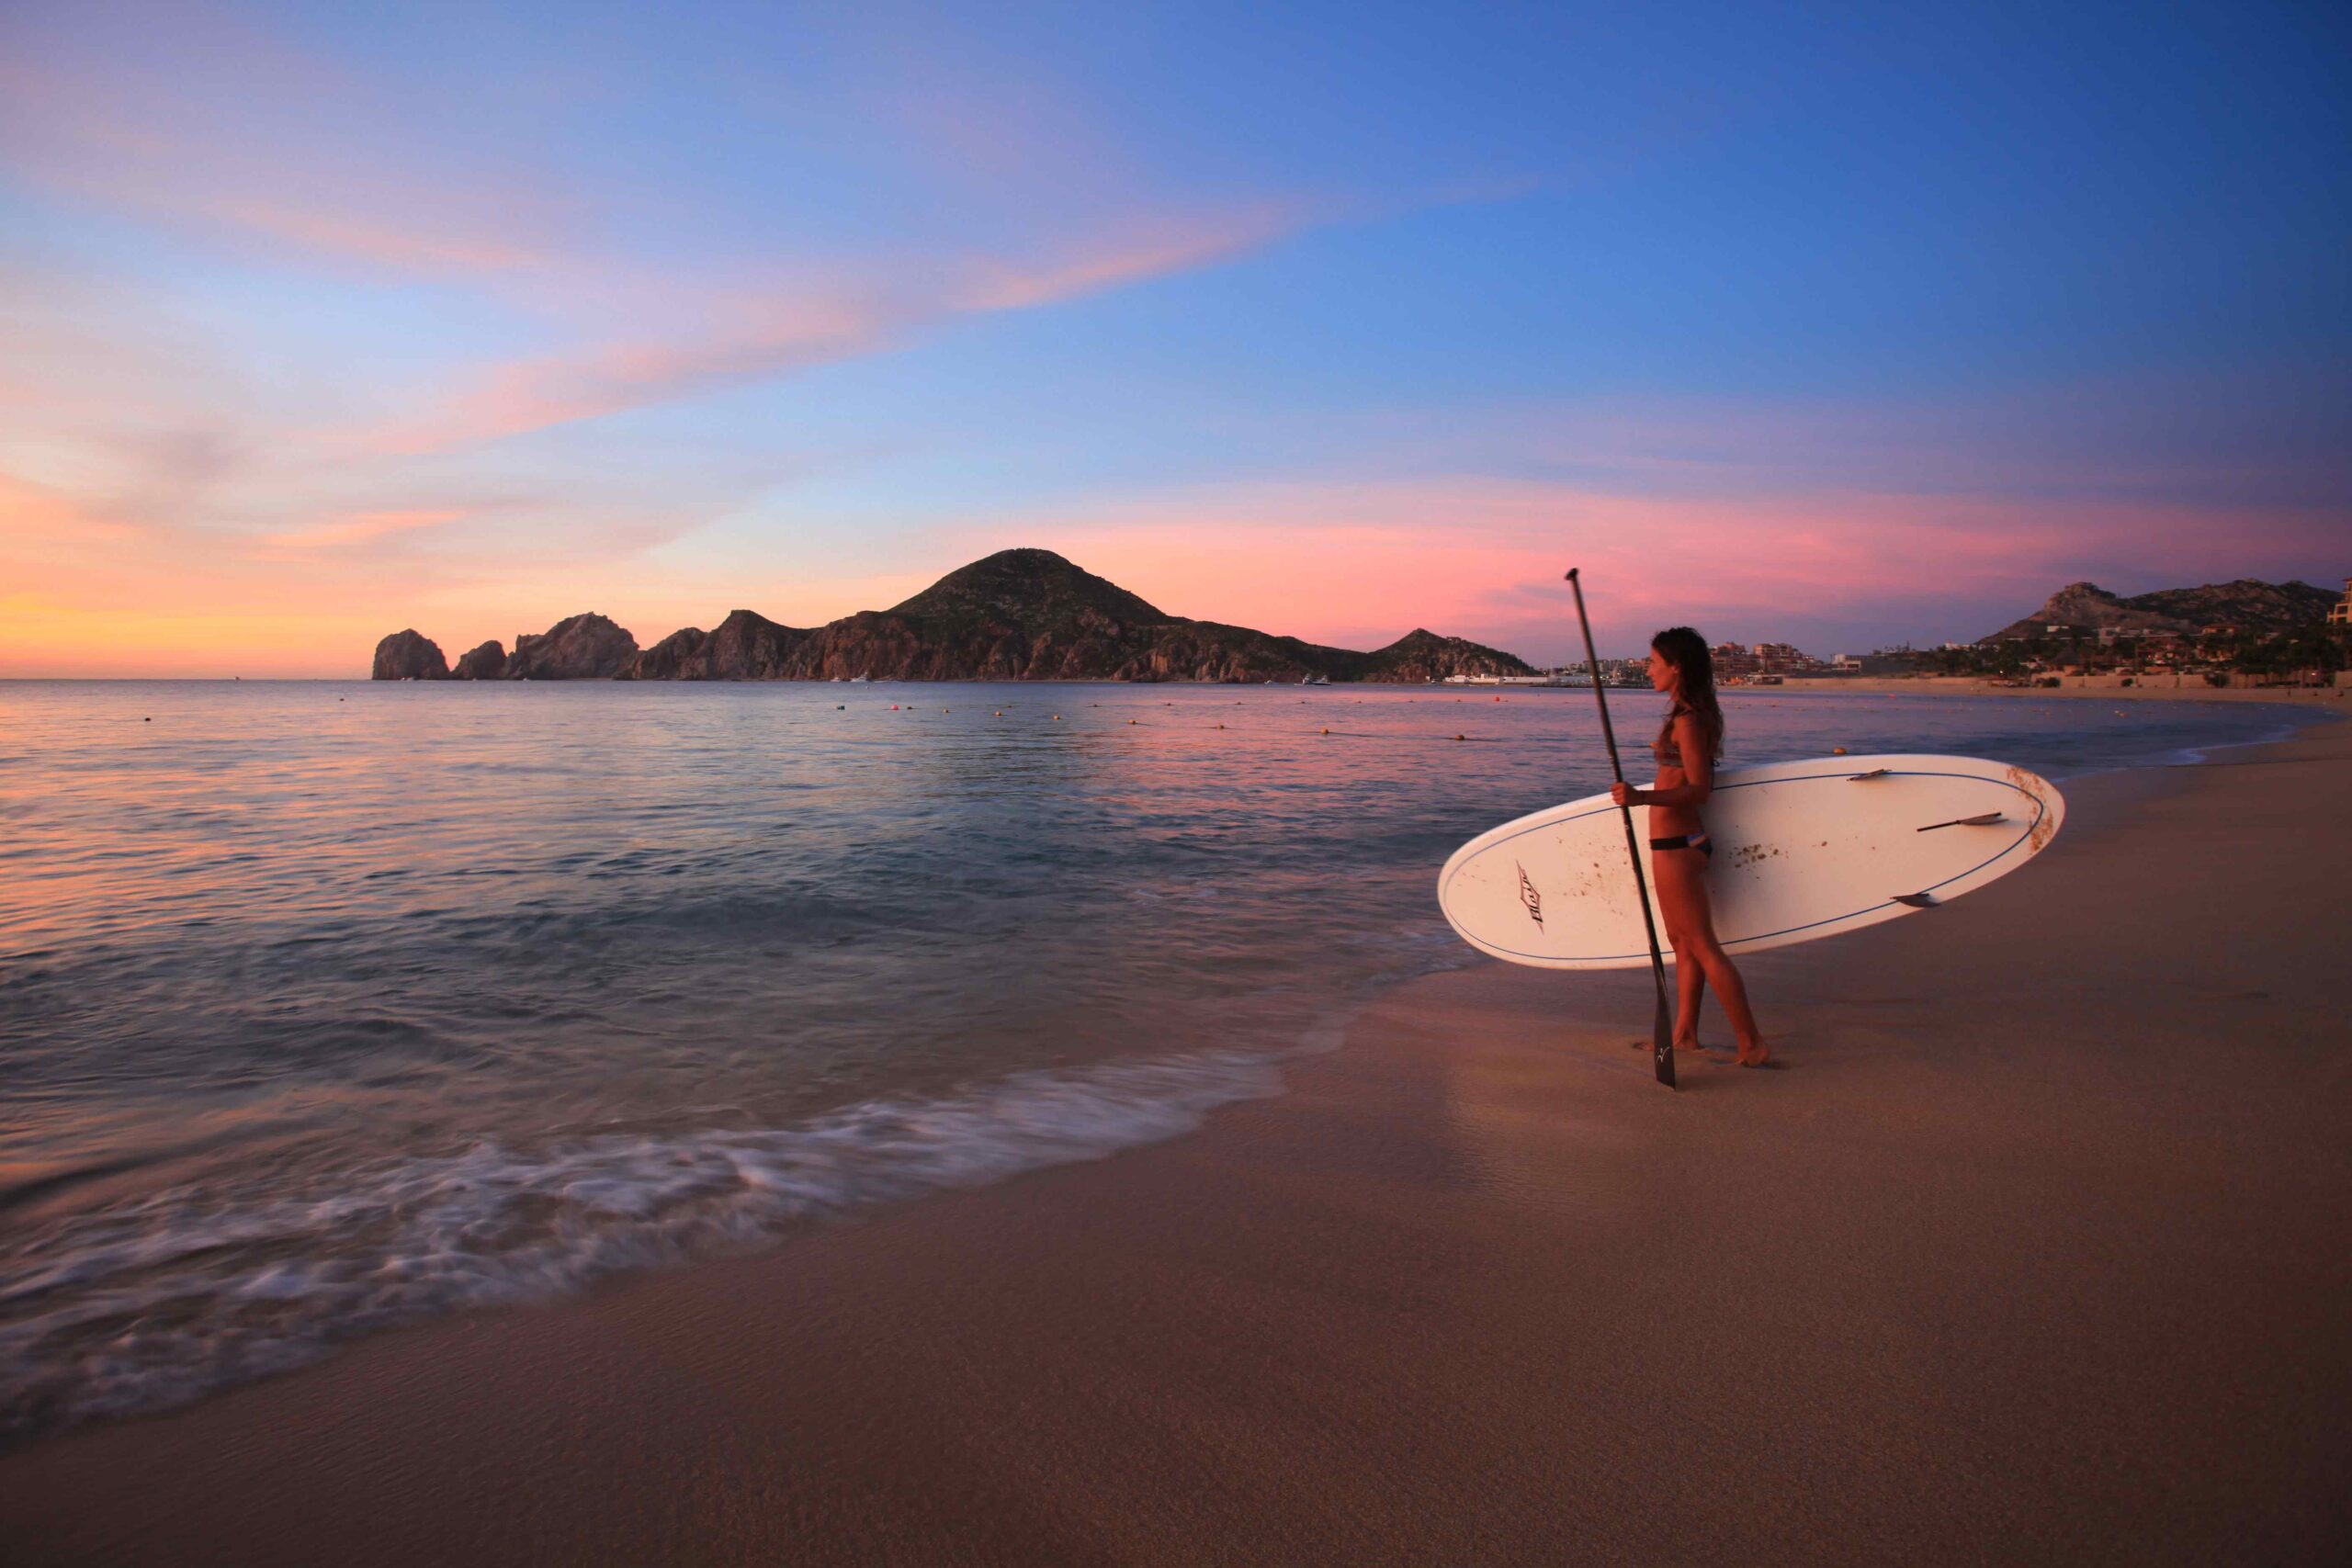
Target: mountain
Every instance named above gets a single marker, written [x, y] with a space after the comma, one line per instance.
[2261, 608]
[1023, 614]
[2250, 606]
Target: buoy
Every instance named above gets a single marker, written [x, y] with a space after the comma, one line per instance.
[1058, 718]
[1327, 732]
[1462, 738]
[1220, 726]
[840, 707]
[146, 721]
[1836, 750]
[999, 713]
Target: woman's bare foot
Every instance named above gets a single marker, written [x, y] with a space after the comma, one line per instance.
[1754, 1054]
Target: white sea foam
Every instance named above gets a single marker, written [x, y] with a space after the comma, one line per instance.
[158, 1301]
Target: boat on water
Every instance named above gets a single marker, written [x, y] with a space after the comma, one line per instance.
[1313, 681]
[858, 680]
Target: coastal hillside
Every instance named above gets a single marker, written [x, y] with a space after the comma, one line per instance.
[1019, 615]
[2260, 608]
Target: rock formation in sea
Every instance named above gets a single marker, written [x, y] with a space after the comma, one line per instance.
[746, 646]
[579, 648]
[410, 656]
[487, 662]
[1023, 615]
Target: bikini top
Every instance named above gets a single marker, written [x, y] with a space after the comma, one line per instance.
[1665, 749]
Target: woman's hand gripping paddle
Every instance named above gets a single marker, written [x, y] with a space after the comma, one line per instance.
[1662, 1027]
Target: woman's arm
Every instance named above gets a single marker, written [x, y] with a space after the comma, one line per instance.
[1698, 773]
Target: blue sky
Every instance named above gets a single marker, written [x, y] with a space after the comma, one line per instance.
[1841, 324]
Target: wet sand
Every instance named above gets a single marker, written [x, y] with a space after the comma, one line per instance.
[2037, 1253]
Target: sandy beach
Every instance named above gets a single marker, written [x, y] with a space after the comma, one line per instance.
[2143, 688]
[2037, 1253]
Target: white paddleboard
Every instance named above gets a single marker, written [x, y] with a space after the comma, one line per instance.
[1803, 851]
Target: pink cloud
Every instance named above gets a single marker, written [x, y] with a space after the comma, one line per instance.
[1156, 249]
[522, 396]
[755, 339]
[32, 513]
[361, 528]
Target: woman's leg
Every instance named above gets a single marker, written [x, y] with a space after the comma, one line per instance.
[1691, 994]
[1682, 891]
[1733, 991]
[1690, 974]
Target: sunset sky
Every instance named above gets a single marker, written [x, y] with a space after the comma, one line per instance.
[1838, 324]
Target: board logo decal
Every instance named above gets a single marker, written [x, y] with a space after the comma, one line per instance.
[1529, 896]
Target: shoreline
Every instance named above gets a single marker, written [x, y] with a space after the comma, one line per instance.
[2079, 687]
[1470, 1290]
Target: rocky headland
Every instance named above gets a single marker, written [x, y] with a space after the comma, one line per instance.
[1023, 615]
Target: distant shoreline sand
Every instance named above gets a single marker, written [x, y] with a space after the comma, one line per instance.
[2033, 1254]
[2143, 689]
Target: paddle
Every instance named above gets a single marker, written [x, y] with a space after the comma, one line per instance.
[1662, 1027]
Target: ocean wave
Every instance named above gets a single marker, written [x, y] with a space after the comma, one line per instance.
[155, 1302]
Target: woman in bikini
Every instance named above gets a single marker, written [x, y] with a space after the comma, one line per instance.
[1686, 750]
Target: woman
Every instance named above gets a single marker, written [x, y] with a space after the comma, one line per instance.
[1686, 750]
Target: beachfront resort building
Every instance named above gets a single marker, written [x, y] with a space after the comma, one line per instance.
[2340, 613]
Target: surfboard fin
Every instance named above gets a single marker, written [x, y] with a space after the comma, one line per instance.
[1983, 820]
[1874, 774]
[1917, 900]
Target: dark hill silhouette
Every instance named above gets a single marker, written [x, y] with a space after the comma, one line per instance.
[1019, 615]
[2245, 605]
[1034, 586]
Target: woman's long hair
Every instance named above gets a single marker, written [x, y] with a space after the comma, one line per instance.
[1694, 669]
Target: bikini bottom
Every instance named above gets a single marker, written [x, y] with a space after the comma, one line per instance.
[1698, 841]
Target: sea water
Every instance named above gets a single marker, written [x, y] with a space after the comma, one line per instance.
[325, 1006]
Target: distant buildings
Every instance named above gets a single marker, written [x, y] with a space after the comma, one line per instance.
[1613, 673]
[2340, 613]
[1738, 662]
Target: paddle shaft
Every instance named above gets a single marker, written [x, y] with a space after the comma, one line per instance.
[1662, 1025]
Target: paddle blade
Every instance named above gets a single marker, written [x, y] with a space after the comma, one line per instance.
[1662, 1040]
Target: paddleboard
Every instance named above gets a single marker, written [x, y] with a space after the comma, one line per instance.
[1803, 851]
